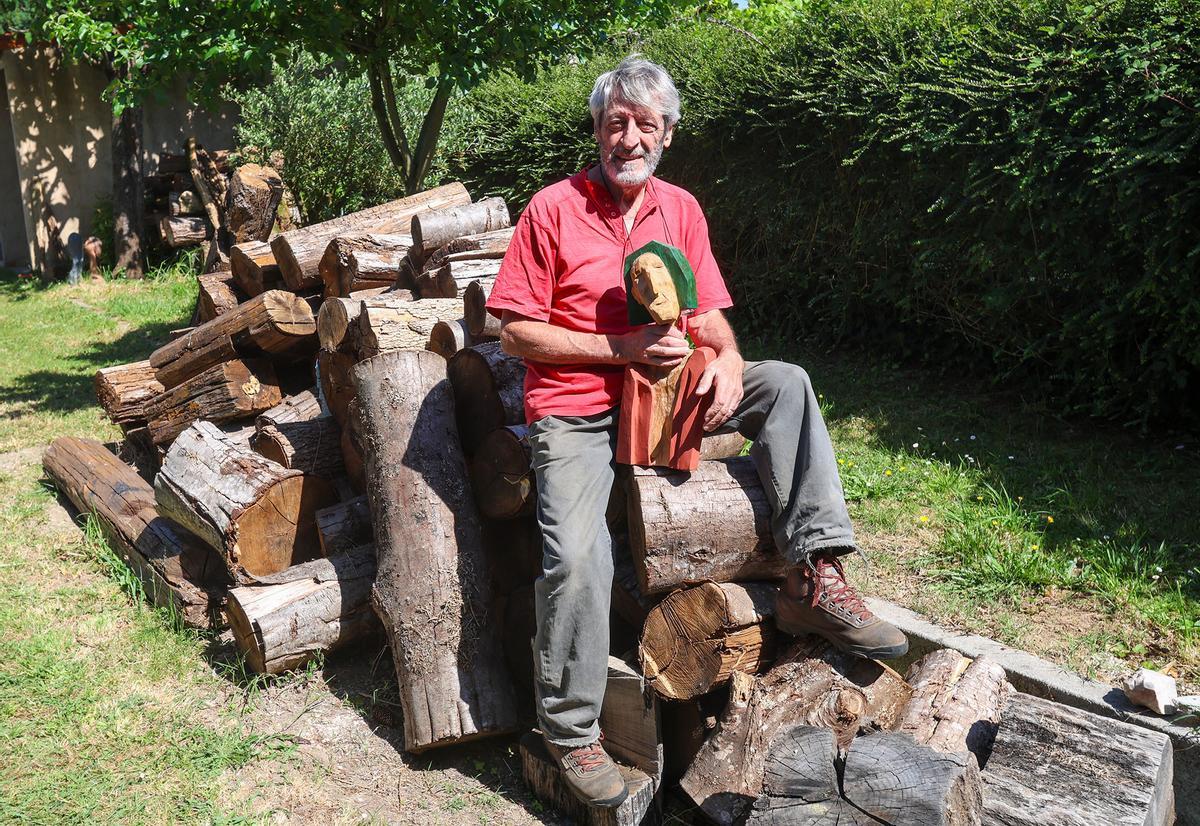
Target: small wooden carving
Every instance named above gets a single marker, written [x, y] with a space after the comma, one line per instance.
[661, 416]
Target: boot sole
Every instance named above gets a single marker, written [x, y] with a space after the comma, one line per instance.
[886, 652]
[609, 803]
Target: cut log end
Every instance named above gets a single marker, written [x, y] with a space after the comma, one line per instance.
[280, 530]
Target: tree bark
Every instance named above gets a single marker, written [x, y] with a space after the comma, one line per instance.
[481, 245]
[254, 195]
[128, 195]
[224, 392]
[218, 295]
[301, 407]
[430, 590]
[956, 702]
[260, 517]
[344, 526]
[213, 202]
[254, 268]
[337, 320]
[361, 256]
[337, 384]
[439, 227]
[489, 392]
[386, 324]
[480, 322]
[125, 390]
[299, 251]
[310, 609]
[714, 523]
[450, 279]
[183, 231]
[313, 446]
[352, 456]
[175, 568]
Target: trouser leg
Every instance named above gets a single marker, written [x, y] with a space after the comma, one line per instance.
[573, 463]
[795, 460]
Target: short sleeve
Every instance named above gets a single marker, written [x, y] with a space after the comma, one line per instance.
[711, 293]
[525, 283]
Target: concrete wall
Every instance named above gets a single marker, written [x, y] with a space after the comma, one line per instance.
[14, 252]
[62, 125]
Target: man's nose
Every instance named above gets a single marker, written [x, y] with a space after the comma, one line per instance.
[630, 135]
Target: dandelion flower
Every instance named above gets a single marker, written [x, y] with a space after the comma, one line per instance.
[1033, 547]
[903, 468]
[887, 473]
[924, 518]
[841, 461]
[1049, 520]
[995, 523]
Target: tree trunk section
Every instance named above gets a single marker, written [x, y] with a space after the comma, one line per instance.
[337, 320]
[481, 245]
[441, 226]
[352, 456]
[182, 231]
[480, 322]
[431, 587]
[301, 407]
[337, 384]
[184, 203]
[260, 516]
[254, 268]
[254, 195]
[344, 526]
[361, 256]
[448, 337]
[956, 702]
[222, 393]
[714, 523]
[501, 476]
[125, 390]
[386, 324]
[313, 446]
[453, 277]
[218, 295]
[175, 568]
[489, 392]
[299, 251]
[544, 778]
[128, 195]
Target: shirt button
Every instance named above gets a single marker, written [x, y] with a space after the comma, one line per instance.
[612, 214]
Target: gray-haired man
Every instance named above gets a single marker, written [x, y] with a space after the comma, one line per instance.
[561, 298]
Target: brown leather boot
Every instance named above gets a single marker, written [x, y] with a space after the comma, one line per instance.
[816, 599]
[591, 774]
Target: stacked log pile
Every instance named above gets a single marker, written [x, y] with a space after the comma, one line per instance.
[338, 448]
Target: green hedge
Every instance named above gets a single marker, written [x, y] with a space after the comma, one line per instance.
[1011, 188]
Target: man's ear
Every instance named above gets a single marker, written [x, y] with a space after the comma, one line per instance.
[667, 137]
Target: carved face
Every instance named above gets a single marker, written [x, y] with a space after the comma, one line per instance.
[654, 288]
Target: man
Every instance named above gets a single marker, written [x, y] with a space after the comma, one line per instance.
[561, 298]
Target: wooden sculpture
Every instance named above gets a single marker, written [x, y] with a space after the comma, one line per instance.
[661, 416]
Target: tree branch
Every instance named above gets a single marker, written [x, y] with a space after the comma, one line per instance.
[400, 158]
[431, 128]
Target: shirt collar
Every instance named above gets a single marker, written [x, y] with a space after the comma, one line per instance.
[603, 198]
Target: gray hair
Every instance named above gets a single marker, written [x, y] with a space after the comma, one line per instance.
[639, 82]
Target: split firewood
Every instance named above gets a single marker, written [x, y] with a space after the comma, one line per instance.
[276, 322]
[431, 586]
[386, 324]
[184, 203]
[218, 295]
[254, 268]
[254, 195]
[224, 392]
[480, 323]
[337, 385]
[448, 337]
[714, 523]
[489, 392]
[956, 702]
[337, 320]
[450, 279]
[301, 407]
[491, 244]
[344, 526]
[696, 638]
[298, 252]
[176, 569]
[439, 227]
[125, 390]
[183, 230]
[313, 446]
[260, 516]
[359, 257]
[285, 620]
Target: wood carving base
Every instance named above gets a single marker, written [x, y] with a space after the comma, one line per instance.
[661, 416]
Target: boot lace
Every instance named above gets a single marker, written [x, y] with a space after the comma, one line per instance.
[830, 582]
[587, 758]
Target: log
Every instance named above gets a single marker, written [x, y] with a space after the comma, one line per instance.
[254, 268]
[714, 523]
[480, 323]
[344, 526]
[125, 390]
[219, 294]
[276, 322]
[450, 279]
[222, 393]
[544, 778]
[137, 449]
[501, 477]
[313, 446]
[260, 516]
[182, 231]
[956, 702]
[176, 569]
[361, 256]
[184, 203]
[338, 317]
[322, 606]
[386, 324]
[448, 337]
[489, 392]
[337, 384]
[254, 195]
[437, 228]
[301, 407]
[491, 244]
[209, 185]
[431, 587]
[299, 251]
[697, 637]
[812, 685]
[352, 456]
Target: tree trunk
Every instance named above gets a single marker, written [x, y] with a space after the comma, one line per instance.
[386, 324]
[125, 390]
[439, 227]
[448, 337]
[697, 637]
[501, 476]
[956, 702]
[260, 516]
[175, 568]
[254, 268]
[453, 277]
[275, 322]
[714, 523]
[128, 196]
[481, 245]
[480, 322]
[344, 526]
[313, 446]
[431, 588]
[337, 320]
[489, 392]
[224, 392]
[310, 609]
[182, 231]
[365, 256]
[254, 195]
[218, 295]
[299, 251]
[337, 385]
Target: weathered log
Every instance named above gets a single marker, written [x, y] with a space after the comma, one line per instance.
[697, 637]
[480, 322]
[344, 526]
[137, 449]
[361, 256]
[254, 268]
[337, 320]
[183, 230]
[310, 609]
[813, 685]
[259, 515]
[218, 295]
[298, 252]
[210, 186]
[450, 279]
[313, 446]
[431, 587]
[501, 477]
[448, 337]
[175, 568]
[489, 392]
[956, 702]
[337, 385]
[184, 203]
[439, 227]
[301, 407]
[386, 324]
[544, 778]
[125, 390]
[275, 322]
[254, 195]
[491, 244]
[714, 523]
[352, 455]
[224, 392]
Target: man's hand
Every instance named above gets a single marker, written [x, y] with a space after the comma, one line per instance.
[662, 345]
[722, 376]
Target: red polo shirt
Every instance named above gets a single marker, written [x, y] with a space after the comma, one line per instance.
[565, 265]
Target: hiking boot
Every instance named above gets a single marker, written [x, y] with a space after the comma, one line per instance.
[591, 774]
[816, 599]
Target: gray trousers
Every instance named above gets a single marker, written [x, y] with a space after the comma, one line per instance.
[574, 465]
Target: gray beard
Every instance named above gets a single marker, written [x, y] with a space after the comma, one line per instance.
[631, 178]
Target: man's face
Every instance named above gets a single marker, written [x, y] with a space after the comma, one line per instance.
[631, 139]
[654, 288]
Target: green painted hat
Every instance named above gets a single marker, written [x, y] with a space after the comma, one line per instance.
[681, 273]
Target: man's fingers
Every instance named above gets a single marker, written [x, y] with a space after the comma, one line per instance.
[705, 383]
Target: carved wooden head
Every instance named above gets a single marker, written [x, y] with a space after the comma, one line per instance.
[654, 288]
